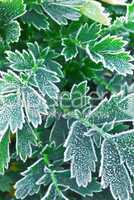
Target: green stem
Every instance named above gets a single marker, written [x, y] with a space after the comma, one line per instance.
[54, 180]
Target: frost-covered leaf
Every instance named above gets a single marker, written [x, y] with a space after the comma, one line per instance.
[25, 138]
[10, 10]
[47, 56]
[37, 19]
[9, 82]
[34, 105]
[63, 179]
[59, 12]
[45, 81]
[54, 66]
[54, 194]
[40, 63]
[116, 109]
[19, 101]
[21, 61]
[10, 111]
[4, 153]
[28, 185]
[95, 11]
[110, 51]
[45, 179]
[117, 153]
[12, 32]
[77, 98]
[80, 150]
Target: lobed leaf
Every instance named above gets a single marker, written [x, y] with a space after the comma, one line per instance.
[116, 109]
[116, 152]
[80, 150]
[59, 12]
[10, 111]
[95, 11]
[25, 138]
[63, 179]
[110, 51]
[54, 194]
[28, 185]
[34, 105]
[12, 32]
[10, 10]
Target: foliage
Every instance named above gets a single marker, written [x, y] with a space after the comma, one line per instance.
[66, 100]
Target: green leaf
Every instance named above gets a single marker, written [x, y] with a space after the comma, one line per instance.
[5, 183]
[109, 44]
[59, 131]
[70, 50]
[110, 51]
[4, 153]
[117, 27]
[94, 10]
[130, 17]
[59, 12]
[104, 195]
[80, 150]
[25, 138]
[130, 12]
[28, 185]
[87, 33]
[63, 179]
[117, 158]
[50, 119]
